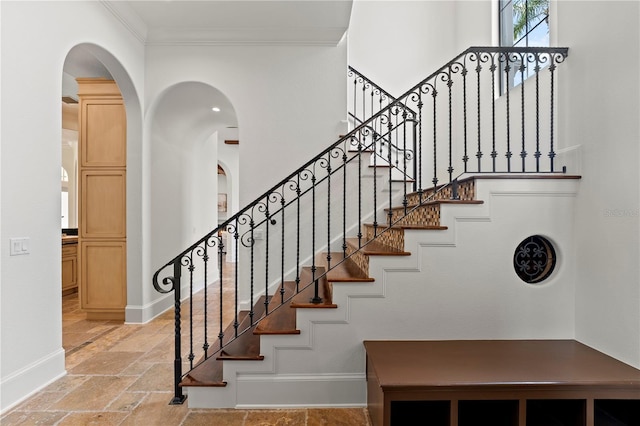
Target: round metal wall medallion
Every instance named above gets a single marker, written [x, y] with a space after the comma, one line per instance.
[534, 259]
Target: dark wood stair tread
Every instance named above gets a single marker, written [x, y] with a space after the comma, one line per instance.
[409, 226]
[281, 319]
[208, 373]
[346, 271]
[375, 248]
[547, 175]
[307, 290]
[229, 335]
[247, 345]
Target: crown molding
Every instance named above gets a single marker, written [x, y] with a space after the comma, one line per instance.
[245, 36]
[123, 12]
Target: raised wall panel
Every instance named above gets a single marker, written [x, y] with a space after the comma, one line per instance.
[102, 205]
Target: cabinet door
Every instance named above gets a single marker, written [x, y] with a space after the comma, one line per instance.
[104, 269]
[69, 272]
[104, 133]
[102, 204]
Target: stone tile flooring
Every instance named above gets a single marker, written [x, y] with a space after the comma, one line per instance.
[122, 374]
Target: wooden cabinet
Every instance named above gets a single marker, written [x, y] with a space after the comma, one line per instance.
[102, 152]
[509, 382]
[69, 265]
[104, 263]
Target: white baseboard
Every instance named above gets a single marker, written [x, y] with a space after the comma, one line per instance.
[30, 379]
[284, 391]
[142, 314]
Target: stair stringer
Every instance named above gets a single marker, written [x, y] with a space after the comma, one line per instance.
[325, 364]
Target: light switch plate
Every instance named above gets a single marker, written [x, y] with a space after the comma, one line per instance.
[19, 246]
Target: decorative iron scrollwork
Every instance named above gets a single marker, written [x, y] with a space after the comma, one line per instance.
[534, 259]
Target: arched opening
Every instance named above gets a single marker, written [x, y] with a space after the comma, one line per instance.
[187, 125]
[92, 61]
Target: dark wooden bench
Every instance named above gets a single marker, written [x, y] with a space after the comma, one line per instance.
[499, 382]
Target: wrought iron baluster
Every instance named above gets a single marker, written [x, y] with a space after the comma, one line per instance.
[552, 154]
[405, 201]
[494, 153]
[282, 255]
[252, 243]
[389, 132]
[537, 154]
[375, 139]
[465, 158]
[364, 101]
[450, 86]
[221, 261]
[328, 210]
[316, 298]
[434, 95]
[266, 259]
[420, 105]
[178, 396]
[523, 153]
[507, 68]
[355, 97]
[479, 153]
[344, 198]
[397, 144]
[415, 154]
[298, 234]
[371, 103]
[236, 237]
[191, 268]
[360, 137]
[205, 259]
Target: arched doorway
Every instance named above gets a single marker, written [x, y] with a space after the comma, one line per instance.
[187, 124]
[92, 61]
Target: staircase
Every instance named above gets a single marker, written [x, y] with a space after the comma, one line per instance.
[350, 247]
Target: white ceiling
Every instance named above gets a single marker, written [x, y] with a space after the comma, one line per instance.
[322, 22]
[223, 22]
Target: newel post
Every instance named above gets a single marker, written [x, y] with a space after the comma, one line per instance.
[178, 397]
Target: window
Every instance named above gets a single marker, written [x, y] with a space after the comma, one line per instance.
[523, 23]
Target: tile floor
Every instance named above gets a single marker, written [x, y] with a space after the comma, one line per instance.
[122, 374]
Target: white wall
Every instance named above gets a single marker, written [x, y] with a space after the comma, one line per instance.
[399, 43]
[597, 130]
[289, 100]
[31, 78]
[599, 109]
